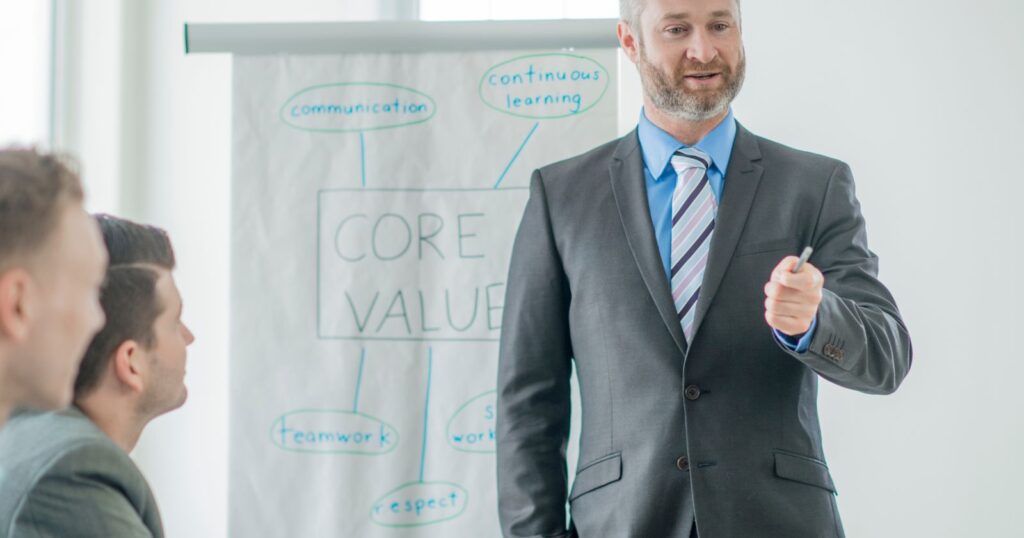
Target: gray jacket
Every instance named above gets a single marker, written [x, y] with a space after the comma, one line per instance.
[723, 431]
[62, 477]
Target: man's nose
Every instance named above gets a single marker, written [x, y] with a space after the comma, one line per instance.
[701, 48]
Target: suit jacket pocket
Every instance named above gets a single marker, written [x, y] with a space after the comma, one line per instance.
[803, 469]
[597, 474]
[783, 243]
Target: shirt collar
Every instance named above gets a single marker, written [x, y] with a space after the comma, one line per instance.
[658, 146]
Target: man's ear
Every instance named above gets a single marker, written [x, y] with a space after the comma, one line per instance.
[628, 40]
[125, 364]
[17, 302]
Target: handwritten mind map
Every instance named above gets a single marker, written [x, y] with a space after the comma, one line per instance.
[407, 174]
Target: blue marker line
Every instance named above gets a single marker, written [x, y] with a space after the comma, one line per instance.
[426, 409]
[362, 156]
[319, 204]
[516, 156]
[359, 380]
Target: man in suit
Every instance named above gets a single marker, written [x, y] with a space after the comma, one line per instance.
[658, 263]
[69, 473]
[51, 266]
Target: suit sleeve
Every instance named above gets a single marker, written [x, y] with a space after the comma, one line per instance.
[860, 341]
[78, 497]
[534, 367]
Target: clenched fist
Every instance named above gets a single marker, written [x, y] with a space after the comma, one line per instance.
[792, 299]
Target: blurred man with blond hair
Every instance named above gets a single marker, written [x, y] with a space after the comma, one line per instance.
[51, 267]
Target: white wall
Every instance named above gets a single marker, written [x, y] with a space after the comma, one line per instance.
[921, 97]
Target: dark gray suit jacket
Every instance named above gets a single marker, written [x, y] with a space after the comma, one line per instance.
[723, 431]
[62, 477]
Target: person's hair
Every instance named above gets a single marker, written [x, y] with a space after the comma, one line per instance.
[137, 253]
[34, 188]
[630, 11]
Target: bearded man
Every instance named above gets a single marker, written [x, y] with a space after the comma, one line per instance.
[661, 265]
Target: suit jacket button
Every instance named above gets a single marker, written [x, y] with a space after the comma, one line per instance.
[692, 392]
[683, 464]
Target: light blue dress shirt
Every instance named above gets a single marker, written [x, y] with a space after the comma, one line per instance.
[658, 147]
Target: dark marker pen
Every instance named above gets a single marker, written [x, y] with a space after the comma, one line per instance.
[803, 259]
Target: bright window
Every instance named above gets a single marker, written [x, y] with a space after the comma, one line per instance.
[25, 69]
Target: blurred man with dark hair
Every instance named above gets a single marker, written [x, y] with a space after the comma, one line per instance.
[70, 473]
[51, 268]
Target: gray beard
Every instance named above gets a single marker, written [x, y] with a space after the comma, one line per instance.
[678, 103]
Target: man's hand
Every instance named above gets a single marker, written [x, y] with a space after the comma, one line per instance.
[792, 299]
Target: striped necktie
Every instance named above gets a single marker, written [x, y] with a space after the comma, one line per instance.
[693, 220]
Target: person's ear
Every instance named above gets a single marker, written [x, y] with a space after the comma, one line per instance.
[16, 304]
[628, 40]
[125, 364]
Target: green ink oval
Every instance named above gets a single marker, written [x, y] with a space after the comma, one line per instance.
[458, 413]
[601, 74]
[324, 108]
[383, 512]
[329, 440]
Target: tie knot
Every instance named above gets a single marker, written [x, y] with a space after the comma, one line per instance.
[687, 158]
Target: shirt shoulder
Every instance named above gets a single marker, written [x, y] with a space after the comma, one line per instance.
[91, 489]
[780, 157]
[31, 442]
[580, 166]
[583, 179]
[90, 485]
[46, 448]
[94, 459]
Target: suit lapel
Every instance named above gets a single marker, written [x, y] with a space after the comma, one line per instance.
[628, 185]
[741, 184]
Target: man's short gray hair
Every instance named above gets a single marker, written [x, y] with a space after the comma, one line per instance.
[630, 10]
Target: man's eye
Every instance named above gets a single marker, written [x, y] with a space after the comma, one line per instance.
[675, 30]
[721, 27]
